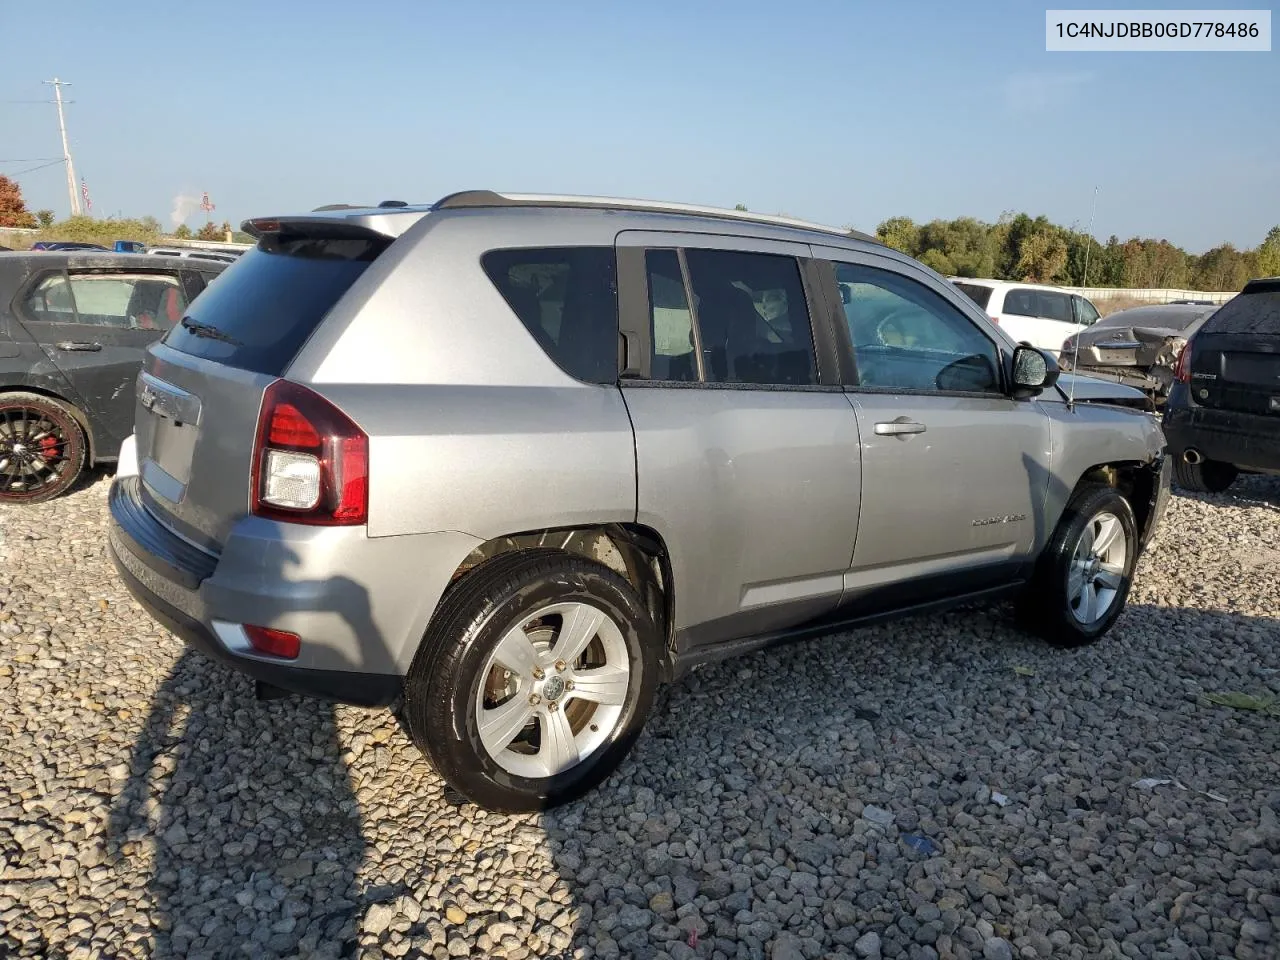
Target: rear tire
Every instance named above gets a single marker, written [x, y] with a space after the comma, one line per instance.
[1083, 577]
[1207, 476]
[533, 680]
[42, 448]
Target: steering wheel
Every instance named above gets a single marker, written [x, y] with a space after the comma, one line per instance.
[893, 316]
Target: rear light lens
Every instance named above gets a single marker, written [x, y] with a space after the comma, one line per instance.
[310, 462]
[1069, 345]
[1182, 368]
[274, 643]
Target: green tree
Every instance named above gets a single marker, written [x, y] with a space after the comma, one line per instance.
[740, 207]
[964, 242]
[900, 233]
[183, 232]
[1268, 263]
[1222, 268]
[210, 231]
[935, 259]
[1155, 263]
[1041, 256]
[44, 217]
[13, 209]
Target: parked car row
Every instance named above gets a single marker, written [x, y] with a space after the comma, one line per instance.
[135, 246]
[481, 461]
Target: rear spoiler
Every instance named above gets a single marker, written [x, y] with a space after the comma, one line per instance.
[363, 222]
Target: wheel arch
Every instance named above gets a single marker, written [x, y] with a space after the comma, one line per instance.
[634, 551]
[1137, 482]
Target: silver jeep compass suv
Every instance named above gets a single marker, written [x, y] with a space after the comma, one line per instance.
[508, 462]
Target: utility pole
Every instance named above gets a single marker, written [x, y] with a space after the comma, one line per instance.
[66, 149]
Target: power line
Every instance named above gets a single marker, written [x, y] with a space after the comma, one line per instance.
[30, 159]
[51, 163]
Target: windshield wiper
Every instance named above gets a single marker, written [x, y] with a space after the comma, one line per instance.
[198, 329]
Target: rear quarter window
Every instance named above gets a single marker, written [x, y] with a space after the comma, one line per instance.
[976, 292]
[567, 298]
[1248, 313]
[259, 312]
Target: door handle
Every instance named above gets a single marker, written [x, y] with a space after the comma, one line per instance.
[78, 346]
[902, 428]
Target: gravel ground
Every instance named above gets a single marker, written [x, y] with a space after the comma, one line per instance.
[944, 787]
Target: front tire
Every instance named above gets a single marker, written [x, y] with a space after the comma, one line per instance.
[1207, 476]
[42, 448]
[1083, 577]
[533, 681]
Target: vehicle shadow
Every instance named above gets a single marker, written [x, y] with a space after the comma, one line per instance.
[821, 792]
[242, 812]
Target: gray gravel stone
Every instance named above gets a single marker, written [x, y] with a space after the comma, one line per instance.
[151, 808]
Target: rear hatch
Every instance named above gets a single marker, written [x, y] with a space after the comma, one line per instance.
[201, 387]
[1235, 356]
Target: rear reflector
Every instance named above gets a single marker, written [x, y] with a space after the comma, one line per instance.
[274, 643]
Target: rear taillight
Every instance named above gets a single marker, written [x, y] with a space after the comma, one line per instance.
[1182, 368]
[994, 319]
[310, 460]
[274, 643]
[1069, 345]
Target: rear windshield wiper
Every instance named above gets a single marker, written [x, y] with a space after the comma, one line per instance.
[198, 329]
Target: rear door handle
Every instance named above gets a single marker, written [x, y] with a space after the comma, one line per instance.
[78, 346]
[901, 428]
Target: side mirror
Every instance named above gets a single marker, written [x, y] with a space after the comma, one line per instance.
[1034, 371]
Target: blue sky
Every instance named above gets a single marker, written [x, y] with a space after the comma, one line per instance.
[831, 110]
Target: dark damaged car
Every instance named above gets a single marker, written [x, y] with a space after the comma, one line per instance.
[1137, 347]
[73, 329]
[1223, 413]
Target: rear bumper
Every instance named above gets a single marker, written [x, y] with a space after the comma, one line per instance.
[359, 604]
[360, 689]
[1246, 440]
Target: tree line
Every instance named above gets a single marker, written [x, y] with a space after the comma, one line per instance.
[103, 230]
[1034, 250]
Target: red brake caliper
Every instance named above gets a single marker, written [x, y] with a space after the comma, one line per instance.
[49, 447]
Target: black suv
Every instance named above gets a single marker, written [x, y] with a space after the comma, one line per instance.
[1223, 413]
[73, 328]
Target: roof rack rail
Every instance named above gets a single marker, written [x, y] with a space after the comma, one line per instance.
[491, 198]
[338, 206]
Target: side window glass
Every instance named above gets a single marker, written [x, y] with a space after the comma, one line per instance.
[753, 321]
[138, 301]
[671, 322]
[50, 300]
[1085, 312]
[1055, 306]
[908, 337]
[567, 298]
[1021, 303]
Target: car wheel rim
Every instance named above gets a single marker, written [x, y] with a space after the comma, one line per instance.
[33, 451]
[553, 690]
[1097, 568]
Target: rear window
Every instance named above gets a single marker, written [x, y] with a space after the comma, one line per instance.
[567, 298]
[976, 292]
[1256, 313]
[265, 305]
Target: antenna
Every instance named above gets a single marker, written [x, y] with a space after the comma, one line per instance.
[1084, 284]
